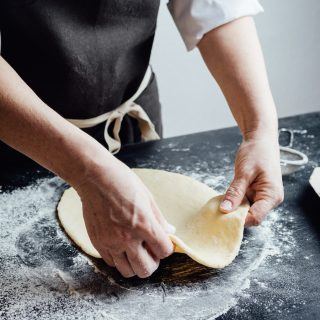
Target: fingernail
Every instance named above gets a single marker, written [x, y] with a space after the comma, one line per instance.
[226, 205]
[170, 229]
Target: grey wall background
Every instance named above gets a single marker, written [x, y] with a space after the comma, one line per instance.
[290, 35]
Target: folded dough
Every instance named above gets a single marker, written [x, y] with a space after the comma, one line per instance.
[202, 231]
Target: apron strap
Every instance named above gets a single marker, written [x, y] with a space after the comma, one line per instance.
[133, 110]
[129, 108]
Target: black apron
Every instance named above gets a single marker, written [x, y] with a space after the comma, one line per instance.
[83, 57]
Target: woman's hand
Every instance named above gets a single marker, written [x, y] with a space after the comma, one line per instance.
[239, 69]
[258, 177]
[123, 221]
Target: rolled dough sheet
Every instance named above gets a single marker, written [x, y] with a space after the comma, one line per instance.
[202, 231]
[315, 180]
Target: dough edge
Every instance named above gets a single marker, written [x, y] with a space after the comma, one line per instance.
[180, 246]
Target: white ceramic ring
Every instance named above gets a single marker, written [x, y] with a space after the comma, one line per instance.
[304, 159]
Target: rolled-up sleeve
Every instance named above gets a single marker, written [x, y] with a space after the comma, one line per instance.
[194, 18]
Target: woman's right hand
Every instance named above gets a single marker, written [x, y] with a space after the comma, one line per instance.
[123, 221]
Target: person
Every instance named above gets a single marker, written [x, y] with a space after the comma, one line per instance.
[72, 73]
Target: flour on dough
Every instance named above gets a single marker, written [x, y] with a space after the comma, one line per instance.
[202, 231]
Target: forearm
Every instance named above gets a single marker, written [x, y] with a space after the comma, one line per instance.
[233, 55]
[31, 127]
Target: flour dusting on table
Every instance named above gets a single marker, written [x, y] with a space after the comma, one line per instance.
[44, 276]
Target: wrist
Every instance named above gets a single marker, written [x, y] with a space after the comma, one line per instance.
[86, 159]
[265, 126]
[96, 166]
[265, 133]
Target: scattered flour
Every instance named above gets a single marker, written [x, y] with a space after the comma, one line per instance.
[43, 276]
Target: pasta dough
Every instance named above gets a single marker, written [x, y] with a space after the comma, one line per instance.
[202, 231]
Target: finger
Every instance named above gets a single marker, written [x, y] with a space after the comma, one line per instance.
[142, 263]
[106, 256]
[258, 211]
[122, 264]
[156, 239]
[250, 194]
[168, 228]
[234, 195]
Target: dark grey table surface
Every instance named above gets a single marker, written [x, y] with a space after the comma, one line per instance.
[276, 275]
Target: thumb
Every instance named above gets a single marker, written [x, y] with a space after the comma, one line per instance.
[234, 195]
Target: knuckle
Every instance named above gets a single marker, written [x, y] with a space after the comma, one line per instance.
[245, 175]
[109, 246]
[150, 232]
[125, 236]
[139, 219]
[115, 251]
[126, 274]
[135, 258]
[255, 221]
[142, 223]
[143, 268]
[234, 192]
[119, 241]
[159, 251]
[166, 251]
[162, 248]
[147, 271]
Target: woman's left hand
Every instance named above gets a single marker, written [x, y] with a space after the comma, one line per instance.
[257, 177]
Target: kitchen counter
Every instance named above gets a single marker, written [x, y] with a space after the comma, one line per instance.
[276, 274]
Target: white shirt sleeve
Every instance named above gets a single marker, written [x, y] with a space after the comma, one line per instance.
[194, 18]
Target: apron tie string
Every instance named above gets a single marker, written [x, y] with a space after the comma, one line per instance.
[135, 111]
[116, 116]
